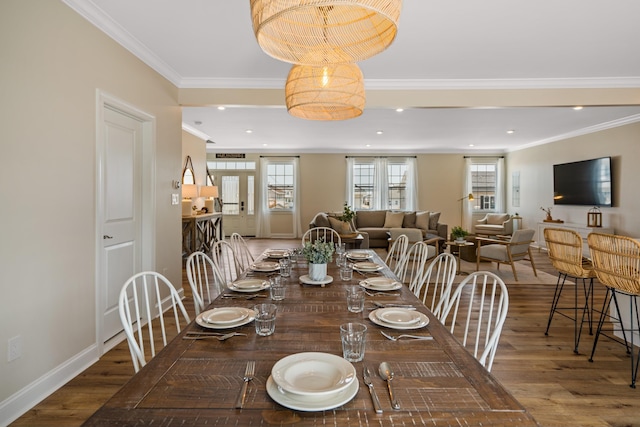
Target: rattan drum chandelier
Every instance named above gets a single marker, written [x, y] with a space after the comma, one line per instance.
[318, 32]
[329, 92]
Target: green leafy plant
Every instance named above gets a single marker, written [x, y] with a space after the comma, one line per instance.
[318, 252]
[458, 232]
[347, 213]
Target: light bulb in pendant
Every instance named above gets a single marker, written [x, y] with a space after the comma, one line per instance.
[325, 76]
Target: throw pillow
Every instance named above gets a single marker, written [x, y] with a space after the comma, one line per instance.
[409, 220]
[434, 217]
[393, 219]
[340, 226]
[422, 220]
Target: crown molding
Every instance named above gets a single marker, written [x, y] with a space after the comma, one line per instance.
[96, 16]
[195, 132]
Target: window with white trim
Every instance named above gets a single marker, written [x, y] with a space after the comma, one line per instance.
[382, 183]
[280, 186]
[484, 185]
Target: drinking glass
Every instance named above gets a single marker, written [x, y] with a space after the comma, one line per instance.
[341, 259]
[353, 336]
[277, 288]
[265, 320]
[346, 272]
[285, 267]
[355, 299]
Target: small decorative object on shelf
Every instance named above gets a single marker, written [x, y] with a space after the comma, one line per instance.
[549, 218]
[594, 217]
[458, 233]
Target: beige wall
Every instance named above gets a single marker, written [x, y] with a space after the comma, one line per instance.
[536, 178]
[197, 149]
[53, 61]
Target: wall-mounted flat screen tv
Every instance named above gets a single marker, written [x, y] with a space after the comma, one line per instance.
[588, 182]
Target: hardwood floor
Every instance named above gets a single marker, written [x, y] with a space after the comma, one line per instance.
[558, 387]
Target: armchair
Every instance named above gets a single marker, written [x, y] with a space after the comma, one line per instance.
[494, 224]
[506, 251]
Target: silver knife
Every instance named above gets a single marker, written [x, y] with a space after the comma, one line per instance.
[381, 305]
[374, 397]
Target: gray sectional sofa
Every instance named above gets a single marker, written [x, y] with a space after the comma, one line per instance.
[374, 225]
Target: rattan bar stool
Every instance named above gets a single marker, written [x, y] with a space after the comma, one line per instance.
[616, 260]
[565, 253]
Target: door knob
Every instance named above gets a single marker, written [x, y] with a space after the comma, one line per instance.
[107, 237]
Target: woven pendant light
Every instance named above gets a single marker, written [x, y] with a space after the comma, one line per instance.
[318, 32]
[331, 92]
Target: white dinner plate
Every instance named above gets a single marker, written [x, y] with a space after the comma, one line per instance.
[359, 255]
[249, 285]
[421, 323]
[265, 266]
[311, 403]
[398, 316]
[313, 373]
[201, 319]
[307, 280]
[367, 266]
[380, 284]
[277, 253]
[225, 315]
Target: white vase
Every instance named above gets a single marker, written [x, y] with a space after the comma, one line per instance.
[317, 272]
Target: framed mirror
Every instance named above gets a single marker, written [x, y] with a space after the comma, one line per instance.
[188, 177]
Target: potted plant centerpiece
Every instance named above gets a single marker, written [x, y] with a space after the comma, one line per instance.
[318, 254]
[458, 233]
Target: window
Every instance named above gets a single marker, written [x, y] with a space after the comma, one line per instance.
[280, 179]
[487, 184]
[381, 183]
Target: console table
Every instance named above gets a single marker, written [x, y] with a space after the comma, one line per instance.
[200, 232]
[581, 229]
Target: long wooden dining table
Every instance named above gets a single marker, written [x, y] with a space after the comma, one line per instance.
[196, 382]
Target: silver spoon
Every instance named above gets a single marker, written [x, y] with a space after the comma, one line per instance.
[387, 374]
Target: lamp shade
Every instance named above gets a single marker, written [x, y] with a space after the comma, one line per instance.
[189, 191]
[331, 92]
[209, 191]
[317, 32]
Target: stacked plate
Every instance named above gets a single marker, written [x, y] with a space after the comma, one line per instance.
[358, 255]
[399, 318]
[277, 253]
[225, 317]
[367, 266]
[249, 285]
[380, 284]
[265, 266]
[312, 381]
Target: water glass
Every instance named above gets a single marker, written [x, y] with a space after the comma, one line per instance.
[346, 272]
[341, 259]
[277, 288]
[355, 299]
[341, 248]
[285, 267]
[353, 336]
[265, 320]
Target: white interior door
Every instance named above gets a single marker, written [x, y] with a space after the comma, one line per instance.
[121, 213]
[237, 191]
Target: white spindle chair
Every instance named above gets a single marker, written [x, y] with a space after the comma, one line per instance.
[326, 233]
[205, 280]
[243, 255]
[141, 302]
[482, 301]
[224, 258]
[438, 282]
[396, 254]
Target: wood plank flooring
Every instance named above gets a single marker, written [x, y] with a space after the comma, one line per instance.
[558, 387]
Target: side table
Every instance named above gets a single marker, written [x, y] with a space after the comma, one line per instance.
[459, 245]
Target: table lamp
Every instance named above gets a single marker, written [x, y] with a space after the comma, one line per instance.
[189, 192]
[209, 192]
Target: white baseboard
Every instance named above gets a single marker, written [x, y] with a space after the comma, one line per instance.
[17, 404]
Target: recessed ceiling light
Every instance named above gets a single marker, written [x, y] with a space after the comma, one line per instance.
[264, 145]
[510, 131]
[368, 145]
[471, 145]
[379, 132]
[578, 107]
[248, 131]
[221, 107]
[399, 110]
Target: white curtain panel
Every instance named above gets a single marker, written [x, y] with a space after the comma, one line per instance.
[263, 223]
[380, 184]
[351, 162]
[412, 184]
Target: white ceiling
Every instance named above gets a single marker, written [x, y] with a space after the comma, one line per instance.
[441, 44]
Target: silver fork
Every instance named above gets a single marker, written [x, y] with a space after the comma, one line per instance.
[414, 337]
[249, 373]
[384, 294]
[219, 337]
